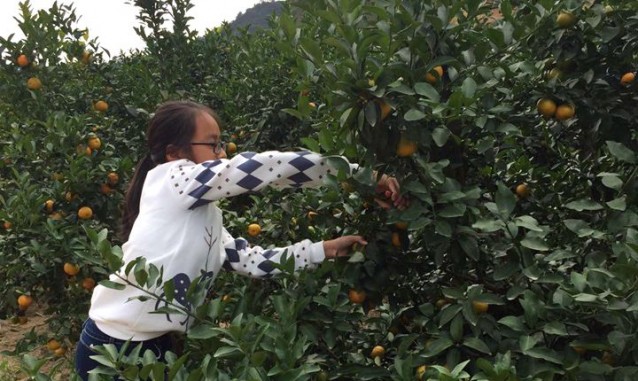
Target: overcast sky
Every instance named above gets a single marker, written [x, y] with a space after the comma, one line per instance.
[112, 21]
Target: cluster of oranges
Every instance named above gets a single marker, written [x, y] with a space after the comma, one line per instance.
[548, 108]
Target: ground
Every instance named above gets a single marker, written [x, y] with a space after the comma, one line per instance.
[25, 337]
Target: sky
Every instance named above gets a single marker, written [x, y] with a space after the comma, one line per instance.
[112, 21]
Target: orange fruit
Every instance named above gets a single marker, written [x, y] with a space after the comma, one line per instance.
[112, 178]
[480, 307]
[106, 189]
[396, 239]
[24, 302]
[48, 205]
[442, 303]
[312, 214]
[356, 296]
[231, 148]
[431, 78]
[94, 143]
[565, 111]
[385, 109]
[522, 190]
[101, 106]
[7, 225]
[71, 269]
[85, 213]
[565, 19]
[627, 78]
[377, 351]
[69, 196]
[60, 352]
[420, 371]
[23, 60]
[401, 225]
[53, 344]
[546, 107]
[56, 216]
[86, 57]
[608, 358]
[254, 230]
[554, 73]
[406, 147]
[88, 283]
[34, 84]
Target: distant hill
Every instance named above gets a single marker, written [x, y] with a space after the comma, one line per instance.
[257, 17]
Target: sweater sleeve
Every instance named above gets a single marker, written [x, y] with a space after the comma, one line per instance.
[200, 184]
[257, 262]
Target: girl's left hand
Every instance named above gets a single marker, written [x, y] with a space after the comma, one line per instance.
[389, 187]
[342, 246]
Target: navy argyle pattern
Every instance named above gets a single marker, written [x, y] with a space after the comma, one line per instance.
[199, 184]
[257, 262]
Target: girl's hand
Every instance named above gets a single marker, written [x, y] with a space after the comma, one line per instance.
[389, 187]
[341, 246]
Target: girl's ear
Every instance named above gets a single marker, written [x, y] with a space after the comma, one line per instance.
[173, 153]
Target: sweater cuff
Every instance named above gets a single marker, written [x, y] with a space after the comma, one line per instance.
[317, 255]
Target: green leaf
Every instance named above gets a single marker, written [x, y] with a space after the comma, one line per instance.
[468, 88]
[527, 342]
[621, 152]
[513, 322]
[534, 243]
[528, 222]
[555, 328]
[618, 204]
[584, 204]
[477, 344]
[414, 115]
[226, 352]
[438, 346]
[505, 201]
[440, 136]
[428, 91]
[488, 226]
[112, 285]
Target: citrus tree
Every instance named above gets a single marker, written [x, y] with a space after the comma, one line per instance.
[510, 125]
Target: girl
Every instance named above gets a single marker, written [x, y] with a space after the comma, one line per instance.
[171, 220]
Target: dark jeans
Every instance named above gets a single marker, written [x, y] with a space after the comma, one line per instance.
[91, 335]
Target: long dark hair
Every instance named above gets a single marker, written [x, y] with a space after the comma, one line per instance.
[173, 124]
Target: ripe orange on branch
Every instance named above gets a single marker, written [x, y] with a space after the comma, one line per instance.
[480, 307]
[377, 351]
[94, 142]
[254, 230]
[356, 296]
[627, 78]
[522, 190]
[101, 106]
[565, 111]
[434, 75]
[23, 60]
[406, 147]
[71, 269]
[34, 84]
[24, 302]
[565, 19]
[546, 107]
[85, 213]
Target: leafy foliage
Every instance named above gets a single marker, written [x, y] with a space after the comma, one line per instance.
[516, 259]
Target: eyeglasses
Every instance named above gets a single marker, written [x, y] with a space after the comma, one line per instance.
[217, 147]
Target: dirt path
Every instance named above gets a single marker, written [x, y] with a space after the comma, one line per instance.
[26, 335]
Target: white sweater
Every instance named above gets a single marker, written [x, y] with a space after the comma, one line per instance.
[181, 230]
